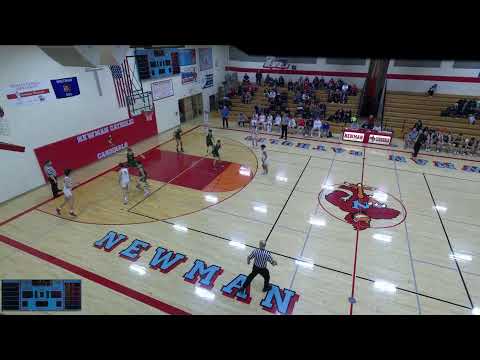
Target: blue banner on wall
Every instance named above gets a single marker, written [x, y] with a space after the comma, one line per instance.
[207, 81]
[65, 87]
[187, 57]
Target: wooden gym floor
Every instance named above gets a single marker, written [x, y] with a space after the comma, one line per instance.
[421, 260]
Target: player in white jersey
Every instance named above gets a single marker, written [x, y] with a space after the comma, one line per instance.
[261, 121]
[124, 181]
[317, 125]
[253, 133]
[269, 123]
[264, 160]
[67, 193]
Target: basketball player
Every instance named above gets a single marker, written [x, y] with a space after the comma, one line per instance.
[209, 140]
[264, 159]
[178, 138]
[254, 132]
[142, 179]
[124, 181]
[67, 193]
[269, 123]
[215, 153]
[131, 162]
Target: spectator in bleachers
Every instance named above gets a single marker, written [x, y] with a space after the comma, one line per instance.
[370, 123]
[343, 97]
[268, 80]
[421, 138]
[325, 129]
[281, 81]
[331, 84]
[432, 90]
[418, 125]
[354, 121]
[290, 85]
[316, 83]
[345, 88]
[352, 90]
[471, 119]
[246, 79]
[411, 137]
[258, 78]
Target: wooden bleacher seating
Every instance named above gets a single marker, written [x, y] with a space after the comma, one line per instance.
[404, 109]
[260, 100]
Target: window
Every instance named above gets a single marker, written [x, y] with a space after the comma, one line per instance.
[346, 61]
[418, 63]
[461, 64]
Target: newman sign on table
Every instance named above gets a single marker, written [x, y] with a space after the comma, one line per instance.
[368, 136]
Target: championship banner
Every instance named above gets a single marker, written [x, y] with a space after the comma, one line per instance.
[29, 92]
[96, 144]
[206, 58]
[189, 74]
[207, 81]
[67, 87]
[272, 62]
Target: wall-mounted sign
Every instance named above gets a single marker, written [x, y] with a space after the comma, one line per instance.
[67, 87]
[29, 92]
[189, 74]
[162, 89]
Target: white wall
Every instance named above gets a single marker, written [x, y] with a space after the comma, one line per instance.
[39, 124]
[320, 65]
[444, 87]
[167, 111]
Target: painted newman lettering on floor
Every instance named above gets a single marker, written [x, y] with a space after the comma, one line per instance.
[276, 300]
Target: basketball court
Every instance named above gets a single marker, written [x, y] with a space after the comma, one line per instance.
[415, 254]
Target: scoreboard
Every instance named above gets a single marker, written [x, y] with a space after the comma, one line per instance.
[157, 63]
[41, 295]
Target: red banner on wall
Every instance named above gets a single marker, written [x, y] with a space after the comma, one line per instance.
[86, 148]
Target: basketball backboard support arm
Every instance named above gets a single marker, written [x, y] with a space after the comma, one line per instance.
[139, 101]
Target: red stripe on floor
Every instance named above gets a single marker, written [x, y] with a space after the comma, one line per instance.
[164, 165]
[169, 309]
[201, 174]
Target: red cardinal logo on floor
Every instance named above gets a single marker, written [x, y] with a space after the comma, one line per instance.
[361, 208]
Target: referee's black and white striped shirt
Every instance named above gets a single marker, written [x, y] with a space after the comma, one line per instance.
[49, 171]
[261, 257]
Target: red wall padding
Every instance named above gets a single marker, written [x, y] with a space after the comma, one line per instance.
[88, 147]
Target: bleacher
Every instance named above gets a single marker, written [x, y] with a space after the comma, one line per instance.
[404, 109]
[260, 100]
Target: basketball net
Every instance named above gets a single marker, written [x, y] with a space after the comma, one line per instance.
[148, 115]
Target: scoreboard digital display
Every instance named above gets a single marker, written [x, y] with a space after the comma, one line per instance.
[157, 63]
[41, 295]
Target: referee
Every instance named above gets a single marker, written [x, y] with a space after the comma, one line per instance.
[52, 177]
[261, 257]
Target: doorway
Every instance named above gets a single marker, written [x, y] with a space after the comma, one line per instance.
[213, 103]
[190, 107]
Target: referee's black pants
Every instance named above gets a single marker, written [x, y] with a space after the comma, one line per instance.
[284, 131]
[54, 185]
[225, 121]
[255, 271]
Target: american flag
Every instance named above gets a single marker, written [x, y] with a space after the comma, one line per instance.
[122, 82]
